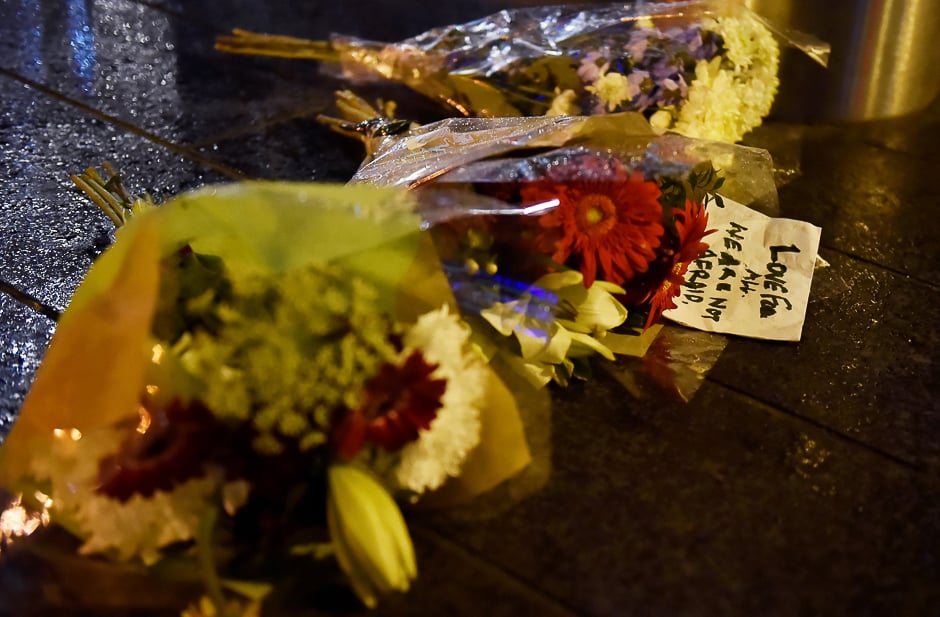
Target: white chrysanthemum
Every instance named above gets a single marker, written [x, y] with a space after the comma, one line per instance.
[440, 451]
[141, 526]
[137, 528]
[731, 94]
[612, 89]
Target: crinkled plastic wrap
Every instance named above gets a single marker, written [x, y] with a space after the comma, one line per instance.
[702, 68]
[462, 150]
[485, 184]
[676, 364]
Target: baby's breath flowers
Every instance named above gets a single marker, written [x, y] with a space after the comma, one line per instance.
[288, 353]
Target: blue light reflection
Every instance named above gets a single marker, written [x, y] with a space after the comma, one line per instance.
[29, 17]
[82, 41]
[478, 291]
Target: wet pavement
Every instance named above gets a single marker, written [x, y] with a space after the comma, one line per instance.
[800, 479]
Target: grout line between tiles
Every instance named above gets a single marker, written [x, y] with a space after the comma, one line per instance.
[483, 563]
[819, 425]
[30, 301]
[193, 155]
[931, 284]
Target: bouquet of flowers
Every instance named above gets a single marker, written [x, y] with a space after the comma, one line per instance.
[255, 374]
[593, 219]
[702, 68]
[252, 375]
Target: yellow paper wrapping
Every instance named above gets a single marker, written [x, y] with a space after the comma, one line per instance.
[92, 374]
[94, 370]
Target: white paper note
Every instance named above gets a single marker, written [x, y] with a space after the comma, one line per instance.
[755, 277]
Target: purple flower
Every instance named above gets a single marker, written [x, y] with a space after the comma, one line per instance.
[638, 43]
[636, 80]
[658, 66]
[590, 71]
[664, 70]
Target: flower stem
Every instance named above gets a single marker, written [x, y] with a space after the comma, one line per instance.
[206, 560]
[108, 193]
[253, 43]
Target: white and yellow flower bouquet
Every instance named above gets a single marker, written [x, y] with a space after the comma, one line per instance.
[258, 374]
[706, 69]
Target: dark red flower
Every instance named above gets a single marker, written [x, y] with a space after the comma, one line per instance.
[610, 222]
[167, 447]
[690, 229]
[396, 403]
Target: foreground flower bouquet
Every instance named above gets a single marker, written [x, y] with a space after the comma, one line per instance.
[702, 68]
[246, 382]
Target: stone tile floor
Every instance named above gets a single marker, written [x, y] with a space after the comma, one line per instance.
[800, 479]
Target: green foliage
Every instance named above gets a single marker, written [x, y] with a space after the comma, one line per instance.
[189, 283]
[699, 185]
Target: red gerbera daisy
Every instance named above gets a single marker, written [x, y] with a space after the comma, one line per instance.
[610, 223]
[167, 448]
[690, 228]
[396, 403]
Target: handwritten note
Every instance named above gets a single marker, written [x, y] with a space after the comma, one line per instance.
[755, 277]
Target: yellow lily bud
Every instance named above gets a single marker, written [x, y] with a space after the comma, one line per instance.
[369, 534]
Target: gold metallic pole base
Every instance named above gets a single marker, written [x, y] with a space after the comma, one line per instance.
[885, 60]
